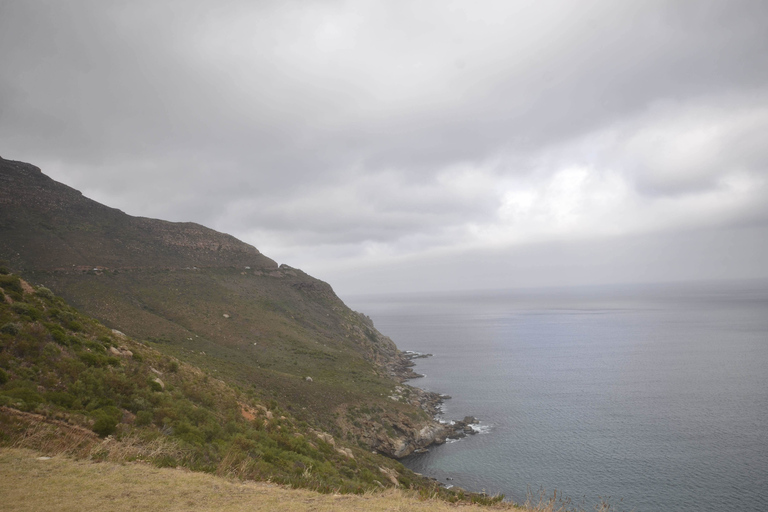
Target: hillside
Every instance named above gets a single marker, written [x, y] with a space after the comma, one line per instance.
[216, 302]
[262, 367]
[67, 382]
[70, 386]
[77, 485]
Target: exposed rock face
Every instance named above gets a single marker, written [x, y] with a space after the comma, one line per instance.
[399, 435]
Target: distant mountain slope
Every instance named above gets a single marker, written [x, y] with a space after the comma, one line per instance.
[207, 298]
[48, 225]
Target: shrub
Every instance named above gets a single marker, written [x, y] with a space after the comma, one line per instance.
[3, 377]
[143, 418]
[106, 420]
[10, 328]
[11, 283]
[58, 334]
[26, 310]
[92, 359]
[61, 398]
[45, 293]
[24, 399]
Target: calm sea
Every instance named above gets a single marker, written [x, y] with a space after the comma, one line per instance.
[655, 396]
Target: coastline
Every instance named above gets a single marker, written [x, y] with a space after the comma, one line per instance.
[431, 402]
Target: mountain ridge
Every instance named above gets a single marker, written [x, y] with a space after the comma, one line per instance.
[63, 219]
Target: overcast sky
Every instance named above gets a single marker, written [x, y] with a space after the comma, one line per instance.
[401, 146]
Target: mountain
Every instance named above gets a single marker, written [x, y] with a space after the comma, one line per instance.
[217, 303]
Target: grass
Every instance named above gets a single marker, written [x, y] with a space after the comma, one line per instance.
[63, 484]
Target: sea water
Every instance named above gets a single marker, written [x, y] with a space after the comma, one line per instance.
[654, 397]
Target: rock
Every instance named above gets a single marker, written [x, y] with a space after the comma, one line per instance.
[157, 379]
[122, 352]
[346, 452]
[308, 379]
[391, 474]
[328, 438]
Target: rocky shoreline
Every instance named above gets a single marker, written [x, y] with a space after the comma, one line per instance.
[437, 432]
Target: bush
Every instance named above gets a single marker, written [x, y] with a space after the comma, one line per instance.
[24, 399]
[106, 420]
[26, 310]
[3, 377]
[61, 398]
[11, 284]
[10, 328]
[92, 359]
[45, 293]
[143, 418]
[58, 334]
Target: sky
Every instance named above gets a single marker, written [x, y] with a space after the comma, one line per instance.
[393, 146]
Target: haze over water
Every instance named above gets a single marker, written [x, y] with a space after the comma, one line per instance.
[655, 395]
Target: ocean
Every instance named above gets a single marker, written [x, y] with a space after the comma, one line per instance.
[654, 397]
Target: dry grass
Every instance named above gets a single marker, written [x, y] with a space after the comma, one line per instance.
[85, 472]
[542, 502]
[55, 438]
[64, 484]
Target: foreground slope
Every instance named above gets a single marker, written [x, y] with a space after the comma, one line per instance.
[76, 485]
[70, 385]
[206, 298]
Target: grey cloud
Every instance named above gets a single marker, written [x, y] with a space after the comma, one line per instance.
[723, 254]
[333, 123]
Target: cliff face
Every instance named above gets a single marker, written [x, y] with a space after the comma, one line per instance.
[210, 299]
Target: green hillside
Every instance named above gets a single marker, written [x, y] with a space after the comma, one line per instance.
[210, 299]
[69, 385]
[259, 363]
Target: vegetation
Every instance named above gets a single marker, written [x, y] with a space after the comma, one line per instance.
[77, 485]
[70, 385]
[229, 363]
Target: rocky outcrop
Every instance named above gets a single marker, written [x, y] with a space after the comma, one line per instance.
[399, 435]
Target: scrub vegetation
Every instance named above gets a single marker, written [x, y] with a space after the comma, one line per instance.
[71, 386]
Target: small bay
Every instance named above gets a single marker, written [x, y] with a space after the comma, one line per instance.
[655, 396]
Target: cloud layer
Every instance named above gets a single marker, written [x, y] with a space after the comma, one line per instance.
[377, 137]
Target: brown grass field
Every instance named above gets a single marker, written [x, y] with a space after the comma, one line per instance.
[31, 483]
